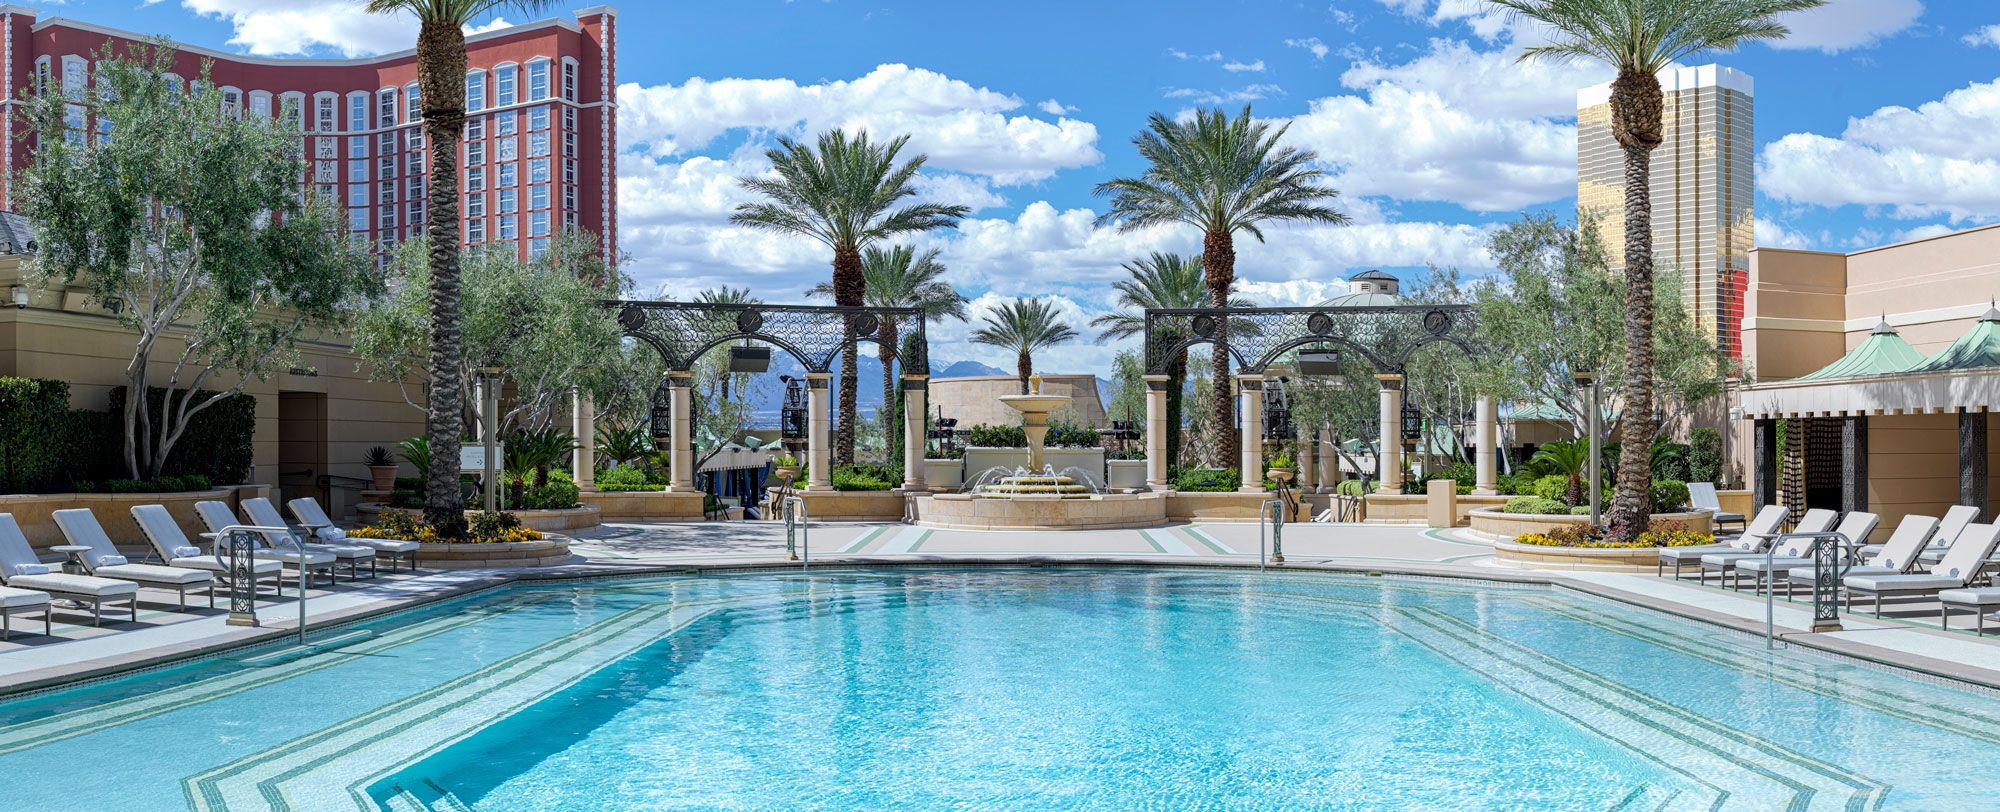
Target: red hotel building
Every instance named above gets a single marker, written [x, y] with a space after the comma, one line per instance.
[540, 136]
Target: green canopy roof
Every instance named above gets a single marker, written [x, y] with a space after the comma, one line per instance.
[1978, 348]
[1883, 353]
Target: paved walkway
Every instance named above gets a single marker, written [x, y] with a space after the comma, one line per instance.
[1908, 637]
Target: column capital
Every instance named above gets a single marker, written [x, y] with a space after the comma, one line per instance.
[680, 375]
[915, 383]
[818, 380]
[1156, 383]
[1390, 380]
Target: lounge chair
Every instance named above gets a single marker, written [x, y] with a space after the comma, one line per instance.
[173, 547]
[22, 569]
[306, 510]
[79, 526]
[216, 515]
[1702, 496]
[1724, 562]
[262, 513]
[1752, 538]
[1898, 556]
[1856, 526]
[1962, 565]
[24, 600]
[1949, 528]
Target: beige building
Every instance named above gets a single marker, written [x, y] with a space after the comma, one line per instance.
[1702, 187]
[1889, 358]
[314, 419]
[976, 399]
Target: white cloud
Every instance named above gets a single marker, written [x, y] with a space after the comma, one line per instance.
[1989, 35]
[1847, 24]
[1770, 234]
[1248, 93]
[497, 24]
[962, 128]
[1920, 232]
[1056, 108]
[963, 190]
[1507, 87]
[284, 27]
[1241, 67]
[1312, 44]
[1485, 20]
[1938, 159]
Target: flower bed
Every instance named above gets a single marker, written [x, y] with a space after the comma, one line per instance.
[1568, 543]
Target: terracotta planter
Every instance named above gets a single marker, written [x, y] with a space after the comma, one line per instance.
[383, 477]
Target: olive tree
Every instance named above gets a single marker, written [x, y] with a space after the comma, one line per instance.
[190, 221]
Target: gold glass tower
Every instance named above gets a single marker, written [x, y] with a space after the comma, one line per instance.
[1702, 189]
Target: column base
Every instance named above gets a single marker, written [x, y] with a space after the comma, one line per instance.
[818, 488]
[681, 489]
[1390, 491]
[1485, 492]
[1251, 489]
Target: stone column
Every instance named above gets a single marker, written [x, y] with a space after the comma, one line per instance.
[1251, 391]
[1389, 455]
[583, 414]
[914, 437]
[680, 402]
[1330, 472]
[1156, 432]
[1971, 460]
[819, 453]
[1488, 421]
[1308, 471]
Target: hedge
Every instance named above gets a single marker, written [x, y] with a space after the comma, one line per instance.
[216, 444]
[44, 444]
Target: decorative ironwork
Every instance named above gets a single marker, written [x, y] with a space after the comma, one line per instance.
[663, 412]
[1387, 335]
[683, 331]
[1826, 583]
[1413, 422]
[792, 410]
[1277, 411]
[240, 563]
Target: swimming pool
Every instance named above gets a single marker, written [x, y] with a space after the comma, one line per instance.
[1012, 689]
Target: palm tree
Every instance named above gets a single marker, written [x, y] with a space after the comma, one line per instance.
[1638, 39]
[441, 64]
[1024, 326]
[724, 295]
[843, 192]
[1160, 281]
[1221, 175]
[900, 277]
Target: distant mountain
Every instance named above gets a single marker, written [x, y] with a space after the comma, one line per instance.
[965, 369]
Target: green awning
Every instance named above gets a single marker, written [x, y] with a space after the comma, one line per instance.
[1883, 353]
[1978, 348]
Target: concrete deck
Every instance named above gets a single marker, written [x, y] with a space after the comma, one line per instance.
[1907, 637]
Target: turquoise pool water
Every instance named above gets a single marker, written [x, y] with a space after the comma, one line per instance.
[1013, 689]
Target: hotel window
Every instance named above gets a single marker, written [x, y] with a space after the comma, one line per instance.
[569, 118]
[385, 218]
[508, 226]
[569, 219]
[475, 128]
[357, 112]
[232, 102]
[475, 205]
[325, 149]
[506, 149]
[327, 192]
[415, 211]
[538, 198]
[385, 106]
[475, 91]
[503, 85]
[42, 74]
[503, 123]
[538, 224]
[538, 170]
[569, 171]
[357, 146]
[569, 80]
[385, 143]
[538, 80]
[357, 219]
[538, 118]
[385, 166]
[326, 172]
[475, 153]
[357, 171]
[413, 109]
[569, 144]
[76, 73]
[323, 107]
[475, 231]
[506, 201]
[413, 189]
[475, 180]
[538, 144]
[537, 248]
[413, 163]
[569, 201]
[260, 104]
[385, 192]
[507, 177]
[413, 138]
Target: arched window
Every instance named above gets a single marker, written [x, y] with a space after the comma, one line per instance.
[232, 102]
[326, 108]
[505, 77]
[75, 76]
[569, 68]
[357, 110]
[292, 107]
[260, 104]
[385, 107]
[475, 91]
[414, 108]
[538, 79]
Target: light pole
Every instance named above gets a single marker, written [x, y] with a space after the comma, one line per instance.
[1586, 382]
[489, 430]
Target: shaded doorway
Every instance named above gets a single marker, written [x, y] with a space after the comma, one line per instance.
[302, 447]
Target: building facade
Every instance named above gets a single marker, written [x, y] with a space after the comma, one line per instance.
[536, 158]
[1702, 188]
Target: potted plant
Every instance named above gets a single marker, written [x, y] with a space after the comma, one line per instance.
[381, 468]
[1281, 466]
[787, 468]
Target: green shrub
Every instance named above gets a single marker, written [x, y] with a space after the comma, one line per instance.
[553, 496]
[1553, 486]
[405, 497]
[1580, 510]
[1669, 496]
[217, 441]
[1208, 480]
[629, 488]
[1354, 487]
[860, 478]
[623, 475]
[1704, 455]
[488, 524]
[985, 436]
[1067, 435]
[1535, 505]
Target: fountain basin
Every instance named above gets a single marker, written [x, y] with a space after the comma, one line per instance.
[1035, 404]
[1041, 511]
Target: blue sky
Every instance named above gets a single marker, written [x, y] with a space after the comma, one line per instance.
[1879, 120]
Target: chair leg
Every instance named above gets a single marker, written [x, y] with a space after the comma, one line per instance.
[97, 613]
[1944, 617]
[6, 624]
[49, 620]
[183, 589]
[135, 607]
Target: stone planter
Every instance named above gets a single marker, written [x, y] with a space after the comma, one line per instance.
[382, 477]
[1490, 523]
[645, 506]
[1042, 512]
[1125, 473]
[544, 553]
[35, 513]
[944, 474]
[569, 520]
[1591, 559]
[981, 460]
[1088, 460]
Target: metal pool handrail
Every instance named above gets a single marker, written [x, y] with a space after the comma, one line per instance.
[243, 579]
[1823, 607]
[1277, 518]
[797, 522]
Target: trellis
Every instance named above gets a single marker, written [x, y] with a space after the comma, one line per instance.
[1386, 335]
[682, 331]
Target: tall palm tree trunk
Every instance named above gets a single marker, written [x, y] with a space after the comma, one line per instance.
[1024, 366]
[1176, 382]
[1636, 109]
[892, 404]
[1218, 262]
[441, 77]
[849, 289]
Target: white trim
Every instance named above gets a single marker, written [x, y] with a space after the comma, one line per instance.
[1907, 393]
[407, 53]
[1796, 325]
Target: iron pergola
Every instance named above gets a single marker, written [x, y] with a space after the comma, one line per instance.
[682, 331]
[1386, 335]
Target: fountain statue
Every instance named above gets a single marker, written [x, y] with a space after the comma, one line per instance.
[1035, 408]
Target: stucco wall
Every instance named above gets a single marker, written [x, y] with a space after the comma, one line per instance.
[976, 400]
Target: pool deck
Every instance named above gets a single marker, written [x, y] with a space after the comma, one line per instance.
[1908, 636]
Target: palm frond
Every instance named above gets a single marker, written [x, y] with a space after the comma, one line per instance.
[1646, 37]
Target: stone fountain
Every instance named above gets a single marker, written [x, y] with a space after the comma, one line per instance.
[1035, 409]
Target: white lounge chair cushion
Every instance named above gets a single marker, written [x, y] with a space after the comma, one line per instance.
[1726, 560]
[148, 573]
[330, 534]
[342, 551]
[185, 552]
[31, 569]
[1692, 553]
[1804, 574]
[312, 559]
[1989, 596]
[388, 545]
[75, 584]
[11, 598]
[1901, 583]
[110, 561]
[258, 567]
[1778, 564]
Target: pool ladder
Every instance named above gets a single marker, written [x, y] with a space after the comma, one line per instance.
[1272, 512]
[240, 563]
[798, 532]
[1826, 549]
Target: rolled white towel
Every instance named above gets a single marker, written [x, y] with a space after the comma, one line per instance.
[31, 569]
[110, 561]
[332, 534]
[186, 552]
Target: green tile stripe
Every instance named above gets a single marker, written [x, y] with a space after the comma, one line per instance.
[1148, 537]
[919, 543]
[1206, 541]
[204, 789]
[36, 733]
[866, 539]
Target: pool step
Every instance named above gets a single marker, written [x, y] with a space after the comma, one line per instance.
[428, 796]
